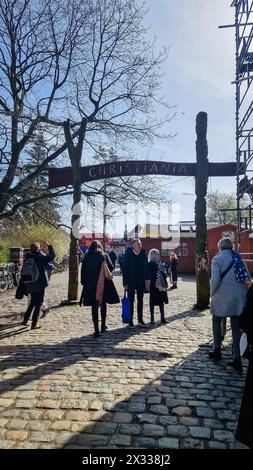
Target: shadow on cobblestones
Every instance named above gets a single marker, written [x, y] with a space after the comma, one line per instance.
[187, 406]
[153, 387]
[55, 357]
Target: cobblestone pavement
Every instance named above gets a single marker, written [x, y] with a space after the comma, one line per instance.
[130, 388]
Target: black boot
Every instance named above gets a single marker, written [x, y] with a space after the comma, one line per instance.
[95, 320]
[103, 318]
[215, 355]
[236, 364]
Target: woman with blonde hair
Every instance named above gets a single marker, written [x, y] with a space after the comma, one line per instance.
[158, 285]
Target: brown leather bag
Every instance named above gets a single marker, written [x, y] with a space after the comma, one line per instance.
[107, 272]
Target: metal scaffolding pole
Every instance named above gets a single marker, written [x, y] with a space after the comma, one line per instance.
[244, 104]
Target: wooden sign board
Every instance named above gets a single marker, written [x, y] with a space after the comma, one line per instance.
[63, 176]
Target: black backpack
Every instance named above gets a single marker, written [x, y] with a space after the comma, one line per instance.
[29, 272]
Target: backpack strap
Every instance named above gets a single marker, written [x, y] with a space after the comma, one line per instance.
[226, 270]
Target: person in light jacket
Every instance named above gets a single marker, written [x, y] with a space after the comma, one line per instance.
[228, 297]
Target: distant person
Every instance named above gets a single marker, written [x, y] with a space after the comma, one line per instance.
[121, 257]
[136, 278]
[113, 257]
[228, 297]
[98, 290]
[34, 278]
[173, 270]
[158, 285]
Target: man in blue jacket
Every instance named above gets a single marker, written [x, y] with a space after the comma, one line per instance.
[37, 287]
[136, 278]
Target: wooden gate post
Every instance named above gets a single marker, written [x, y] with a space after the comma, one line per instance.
[201, 180]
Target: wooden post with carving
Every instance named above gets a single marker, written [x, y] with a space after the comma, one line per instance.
[201, 180]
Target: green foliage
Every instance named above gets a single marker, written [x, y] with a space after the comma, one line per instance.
[4, 250]
[218, 200]
[40, 232]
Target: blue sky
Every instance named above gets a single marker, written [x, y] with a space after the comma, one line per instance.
[198, 75]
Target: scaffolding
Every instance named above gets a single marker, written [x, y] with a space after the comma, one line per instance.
[244, 110]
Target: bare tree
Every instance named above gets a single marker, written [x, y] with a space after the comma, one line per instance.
[116, 91]
[38, 42]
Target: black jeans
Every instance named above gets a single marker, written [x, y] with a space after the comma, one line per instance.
[152, 311]
[36, 301]
[94, 311]
[131, 294]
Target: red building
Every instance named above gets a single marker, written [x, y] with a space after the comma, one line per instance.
[168, 239]
[184, 244]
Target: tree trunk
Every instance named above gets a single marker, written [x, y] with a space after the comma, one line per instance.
[73, 249]
[75, 155]
[202, 272]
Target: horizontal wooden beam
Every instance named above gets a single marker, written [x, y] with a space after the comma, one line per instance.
[63, 176]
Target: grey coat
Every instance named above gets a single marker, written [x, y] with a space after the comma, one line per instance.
[228, 296]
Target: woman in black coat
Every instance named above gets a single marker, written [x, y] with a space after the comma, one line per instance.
[90, 274]
[244, 432]
[158, 284]
[173, 270]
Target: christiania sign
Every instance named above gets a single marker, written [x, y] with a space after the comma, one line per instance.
[63, 176]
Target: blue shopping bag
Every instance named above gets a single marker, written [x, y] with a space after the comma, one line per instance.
[126, 316]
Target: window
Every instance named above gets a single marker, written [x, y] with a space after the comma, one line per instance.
[169, 247]
[183, 250]
[165, 249]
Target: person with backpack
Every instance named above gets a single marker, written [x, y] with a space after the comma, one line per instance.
[228, 296]
[34, 279]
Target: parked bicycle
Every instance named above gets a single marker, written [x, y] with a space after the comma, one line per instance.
[9, 275]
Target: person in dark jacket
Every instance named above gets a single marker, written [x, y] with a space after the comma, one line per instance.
[37, 288]
[136, 278]
[173, 270]
[90, 275]
[121, 257]
[158, 284]
[244, 432]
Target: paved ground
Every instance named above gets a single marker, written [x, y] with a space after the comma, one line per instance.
[152, 387]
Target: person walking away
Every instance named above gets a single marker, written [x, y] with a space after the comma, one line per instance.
[173, 270]
[91, 279]
[158, 285]
[35, 279]
[227, 297]
[136, 278]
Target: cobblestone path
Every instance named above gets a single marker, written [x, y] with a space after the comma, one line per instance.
[140, 388]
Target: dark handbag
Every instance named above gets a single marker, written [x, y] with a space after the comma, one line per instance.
[110, 293]
[21, 291]
[126, 314]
